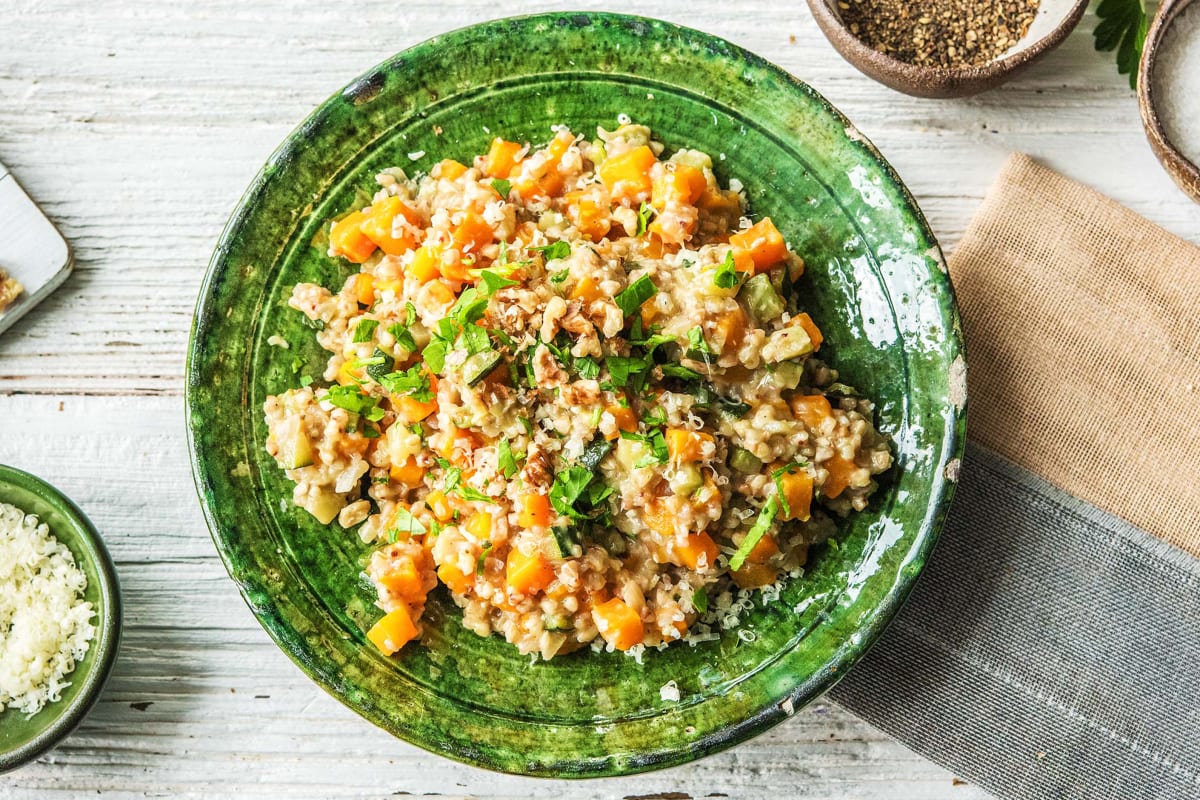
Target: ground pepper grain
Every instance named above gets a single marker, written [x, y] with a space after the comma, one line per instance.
[939, 33]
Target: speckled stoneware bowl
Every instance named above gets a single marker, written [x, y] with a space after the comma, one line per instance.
[875, 283]
[1054, 22]
[1182, 170]
[23, 739]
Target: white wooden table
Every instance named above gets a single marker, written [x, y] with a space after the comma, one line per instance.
[137, 124]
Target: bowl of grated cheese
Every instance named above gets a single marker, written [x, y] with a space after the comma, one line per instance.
[60, 617]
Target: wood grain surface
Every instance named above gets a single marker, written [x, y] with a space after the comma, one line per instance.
[137, 124]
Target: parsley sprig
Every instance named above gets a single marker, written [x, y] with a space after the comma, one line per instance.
[1122, 27]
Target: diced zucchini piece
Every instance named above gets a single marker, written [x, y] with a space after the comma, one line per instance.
[565, 540]
[295, 449]
[595, 452]
[784, 345]
[629, 452]
[693, 158]
[557, 622]
[787, 374]
[743, 461]
[477, 367]
[686, 480]
[325, 506]
[761, 299]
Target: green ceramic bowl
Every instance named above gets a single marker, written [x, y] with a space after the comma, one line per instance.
[877, 287]
[24, 739]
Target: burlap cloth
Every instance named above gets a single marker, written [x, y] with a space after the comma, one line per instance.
[1051, 648]
[1082, 322]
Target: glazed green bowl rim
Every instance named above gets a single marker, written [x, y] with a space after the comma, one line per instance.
[803, 689]
[105, 645]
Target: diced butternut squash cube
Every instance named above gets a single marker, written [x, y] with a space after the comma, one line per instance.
[502, 157]
[411, 410]
[441, 294]
[455, 579]
[403, 580]
[699, 551]
[627, 176]
[677, 184]
[535, 511]
[763, 242]
[393, 631]
[811, 409]
[426, 264]
[407, 473]
[810, 327]
[480, 526]
[347, 240]
[840, 470]
[618, 623]
[449, 169]
[379, 226]
[364, 289]
[797, 487]
[763, 550]
[457, 445]
[754, 576]
[729, 330]
[589, 214]
[439, 505]
[540, 175]
[626, 420]
[587, 290]
[659, 519]
[684, 445]
[528, 574]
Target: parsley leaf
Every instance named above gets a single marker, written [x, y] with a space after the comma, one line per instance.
[726, 276]
[700, 600]
[655, 442]
[365, 329]
[400, 330]
[560, 276]
[1122, 27]
[502, 187]
[413, 381]
[483, 554]
[494, 282]
[681, 372]
[630, 298]
[588, 368]
[644, 215]
[696, 340]
[550, 252]
[405, 522]
[469, 307]
[623, 368]
[380, 364]
[505, 459]
[471, 493]
[755, 534]
[569, 486]
[353, 400]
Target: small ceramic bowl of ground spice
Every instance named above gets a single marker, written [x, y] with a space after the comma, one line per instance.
[945, 48]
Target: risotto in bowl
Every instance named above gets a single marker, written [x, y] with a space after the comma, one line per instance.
[569, 422]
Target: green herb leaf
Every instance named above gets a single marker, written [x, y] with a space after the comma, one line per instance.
[435, 355]
[1122, 27]
[380, 364]
[588, 368]
[406, 522]
[494, 282]
[696, 340]
[557, 250]
[700, 600]
[681, 372]
[413, 381]
[483, 554]
[365, 329]
[630, 298]
[354, 400]
[622, 368]
[471, 493]
[569, 486]
[306, 380]
[726, 276]
[469, 307]
[644, 215]
[505, 459]
[765, 518]
[560, 276]
[502, 187]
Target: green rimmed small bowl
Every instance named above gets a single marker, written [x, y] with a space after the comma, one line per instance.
[23, 740]
[876, 285]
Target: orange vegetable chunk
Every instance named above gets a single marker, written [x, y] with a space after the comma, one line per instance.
[840, 470]
[625, 418]
[501, 158]
[449, 169]
[762, 551]
[455, 579]
[812, 409]
[627, 176]
[407, 473]
[810, 327]
[528, 574]
[393, 631]
[404, 581]
[589, 214]
[618, 623]
[379, 221]
[697, 550]
[753, 576]
[535, 511]
[798, 492]
[426, 264]
[364, 289]
[684, 445]
[347, 240]
[763, 242]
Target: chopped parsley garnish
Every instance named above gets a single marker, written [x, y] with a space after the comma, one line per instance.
[306, 380]
[557, 250]
[483, 554]
[469, 307]
[400, 330]
[765, 517]
[560, 276]
[777, 476]
[700, 600]
[681, 372]
[655, 417]
[587, 368]
[697, 342]
[505, 460]
[624, 369]
[413, 382]
[577, 491]
[297, 363]
[471, 493]
[405, 522]
[379, 364]
[352, 399]
[726, 276]
[630, 298]
[502, 337]
[502, 187]
[655, 443]
[365, 329]
[644, 214]
[527, 424]
[494, 282]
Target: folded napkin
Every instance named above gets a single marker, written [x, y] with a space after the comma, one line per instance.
[1052, 647]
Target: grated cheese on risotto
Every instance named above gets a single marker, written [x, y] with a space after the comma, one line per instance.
[45, 625]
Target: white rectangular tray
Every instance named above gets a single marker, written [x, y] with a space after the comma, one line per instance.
[31, 249]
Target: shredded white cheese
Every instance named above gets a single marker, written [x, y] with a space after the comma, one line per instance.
[45, 625]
